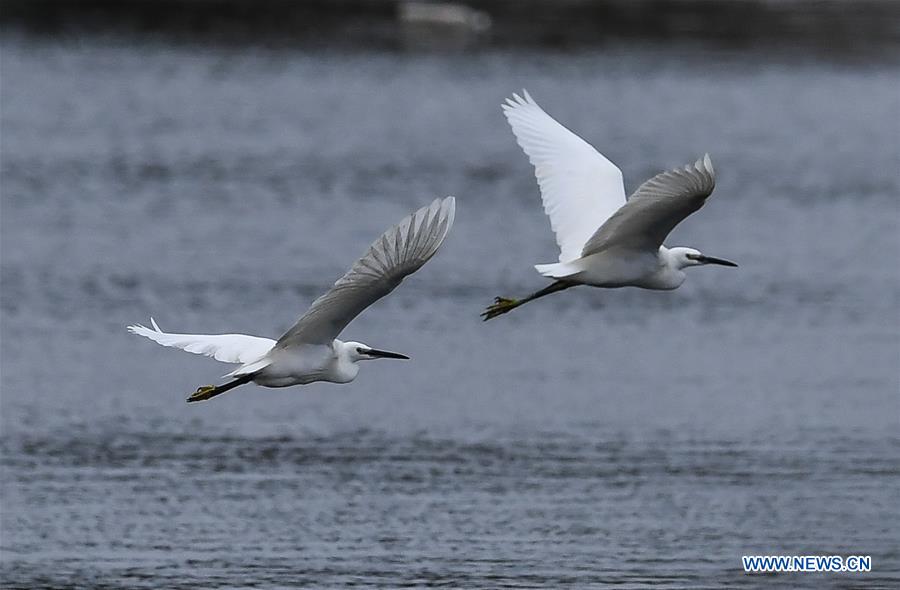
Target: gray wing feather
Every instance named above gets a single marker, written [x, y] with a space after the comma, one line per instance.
[655, 208]
[400, 251]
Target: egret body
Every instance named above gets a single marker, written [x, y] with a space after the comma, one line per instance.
[310, 351]
[604, 239]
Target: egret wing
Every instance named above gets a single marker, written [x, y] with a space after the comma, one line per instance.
[655, 208]
[227, 348]
[580, 188]
[399, 252]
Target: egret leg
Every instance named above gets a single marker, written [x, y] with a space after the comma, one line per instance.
[504, 305]
[209, 391]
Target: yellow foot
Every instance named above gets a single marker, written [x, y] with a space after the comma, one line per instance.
[202, 393]
[501, 305]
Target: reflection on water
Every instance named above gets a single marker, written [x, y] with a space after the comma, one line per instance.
[605, 436]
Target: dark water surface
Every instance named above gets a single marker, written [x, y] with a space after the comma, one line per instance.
[594, 437]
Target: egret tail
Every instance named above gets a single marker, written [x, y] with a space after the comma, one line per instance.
[209, 391]
[503, 305]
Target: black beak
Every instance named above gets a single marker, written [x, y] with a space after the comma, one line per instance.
[711, 260]
[385, 354]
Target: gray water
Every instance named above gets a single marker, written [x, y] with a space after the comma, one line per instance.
[620, 437]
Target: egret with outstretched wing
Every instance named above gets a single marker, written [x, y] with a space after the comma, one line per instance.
[604, 240]
[310, 350]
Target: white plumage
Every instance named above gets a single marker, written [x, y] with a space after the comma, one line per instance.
[654, 209]
[310, 351]
[604, 240]
[401, 251]
[580, 188]
[227, 348]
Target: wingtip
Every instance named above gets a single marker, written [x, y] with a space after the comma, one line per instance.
[440, 210]
[449, 205]
[517, 100]
[707, 163]
[141, 329]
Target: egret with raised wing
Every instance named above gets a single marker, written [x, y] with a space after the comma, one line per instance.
[604, 240]
[310, 350]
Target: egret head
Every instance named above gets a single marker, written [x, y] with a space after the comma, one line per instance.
[685, 257]
[357, 351]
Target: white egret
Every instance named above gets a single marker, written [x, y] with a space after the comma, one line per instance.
[310, 350]
[604, 240]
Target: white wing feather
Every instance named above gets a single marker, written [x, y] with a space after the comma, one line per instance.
[580, 188]
[399, 252]
[227, 348]
[655, 208]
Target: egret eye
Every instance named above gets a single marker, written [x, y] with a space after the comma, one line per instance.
[360, 350]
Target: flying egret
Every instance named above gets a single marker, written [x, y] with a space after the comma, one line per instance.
[310, 350]
[583, 191]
